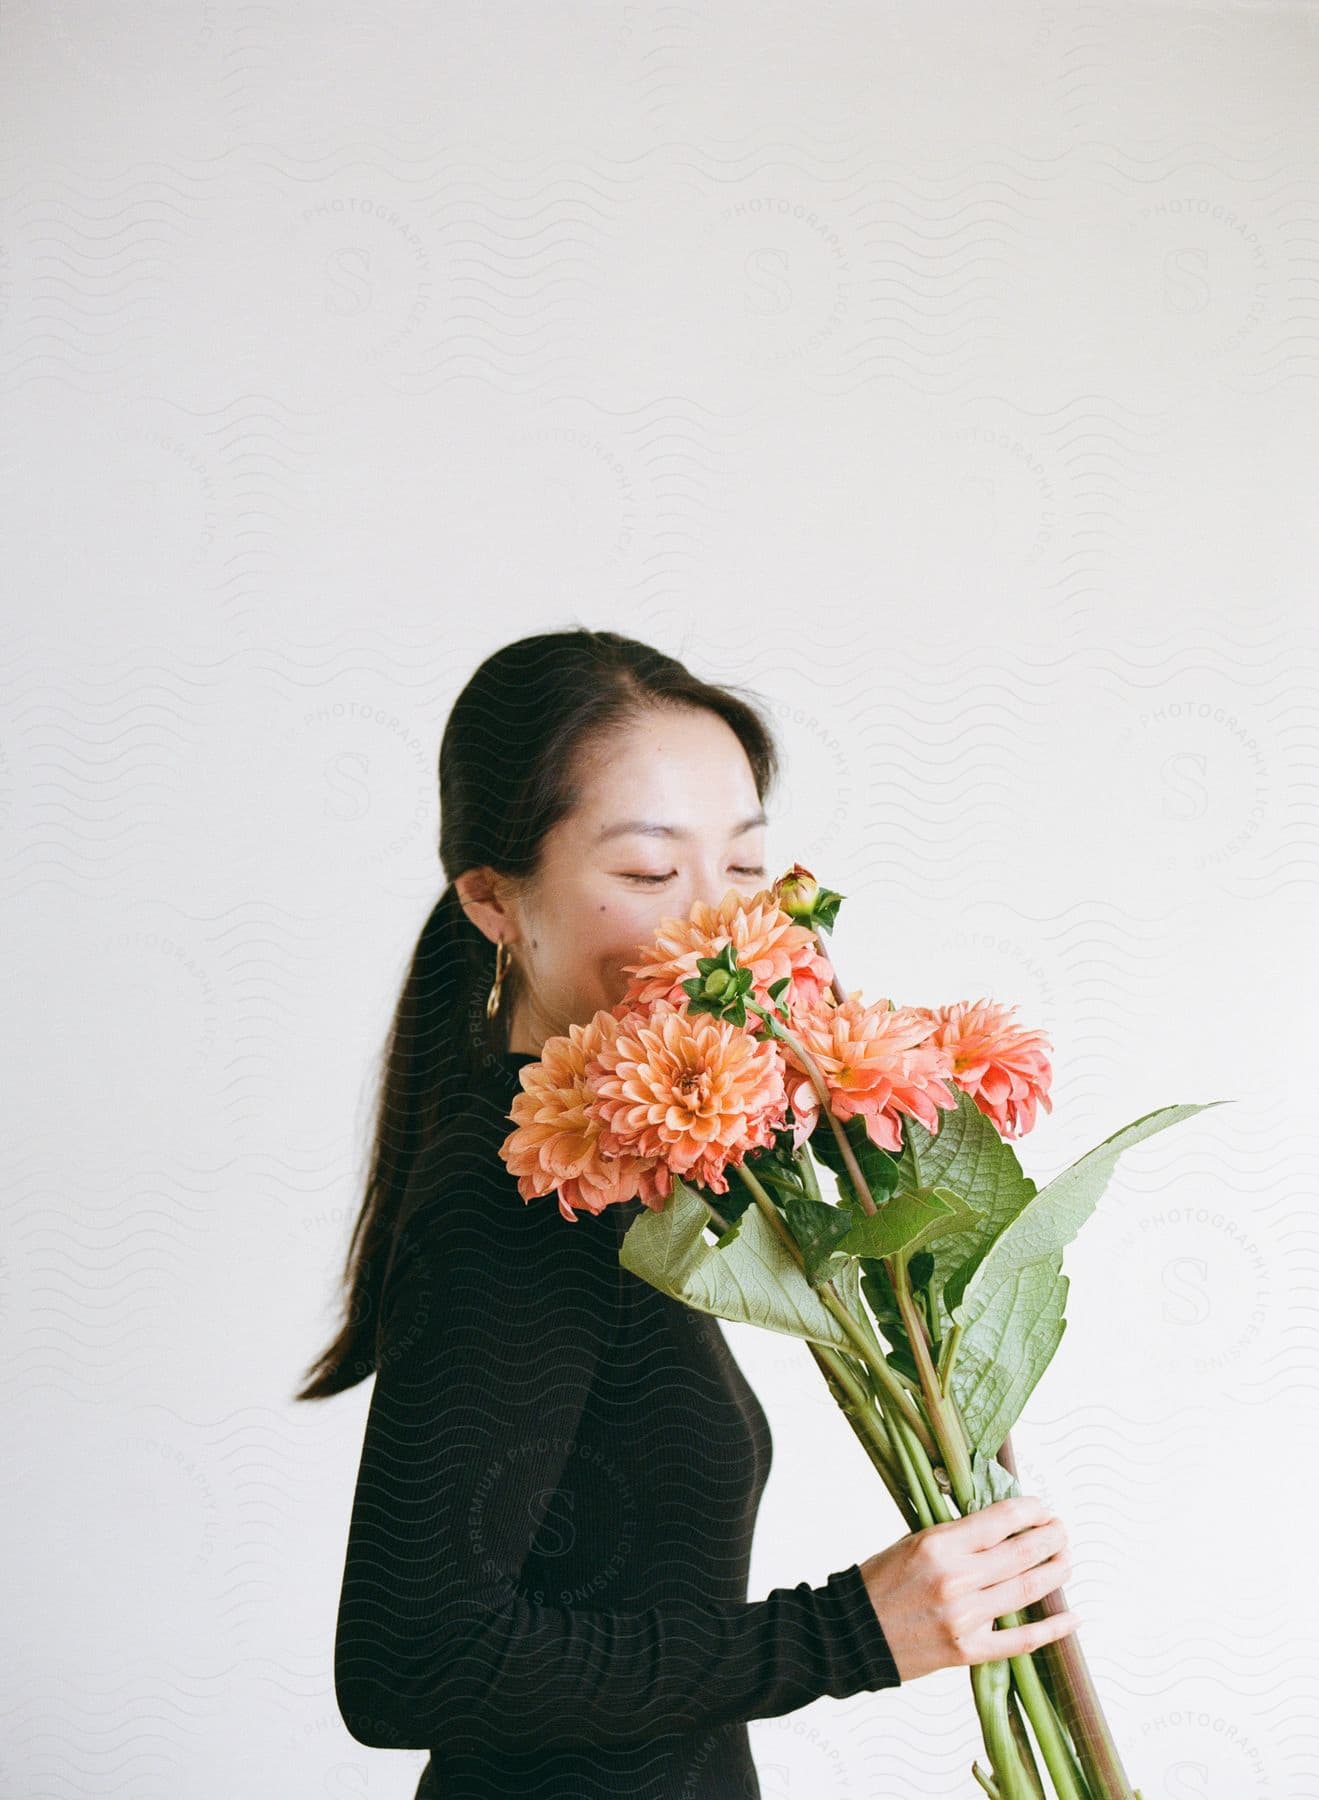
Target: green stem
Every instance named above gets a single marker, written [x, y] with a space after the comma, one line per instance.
[866, 1422]
[865, 1200]
[854, 1399]
[907, 1450]
[1049, 1734]
[947, 1357]
[991, 1684]
[934, 1505]
[893, 1389]
[1023, 1744]
[1014, 1767]
[948, 1430]
[805, 1164]
[942, 1414]
[990, 1690]
[1048, 1673]
[1062, 1658]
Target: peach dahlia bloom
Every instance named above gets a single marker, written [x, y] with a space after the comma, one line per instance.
[877, 1062]
[691, 1090]
[1001, 1065]
[764, 939]
[556, 1142]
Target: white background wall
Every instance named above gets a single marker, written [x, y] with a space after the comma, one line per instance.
[947, 375]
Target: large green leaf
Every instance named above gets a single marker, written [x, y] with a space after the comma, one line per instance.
[907, 1221]
[753, 1280]
[1010, 1306]
[1009, 1345]
[967, 1156]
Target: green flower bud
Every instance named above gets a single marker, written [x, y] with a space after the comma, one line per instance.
[797, 892]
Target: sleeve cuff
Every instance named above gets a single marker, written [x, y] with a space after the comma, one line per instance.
[848, 1614]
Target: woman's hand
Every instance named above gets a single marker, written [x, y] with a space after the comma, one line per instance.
[937, 1591]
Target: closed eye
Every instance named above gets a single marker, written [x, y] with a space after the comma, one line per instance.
[657, 880]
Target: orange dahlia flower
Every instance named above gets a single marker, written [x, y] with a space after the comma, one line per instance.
[764, 939]
[876, 1061]
[556, 1142]
[1001, 1065]
[690, 1090]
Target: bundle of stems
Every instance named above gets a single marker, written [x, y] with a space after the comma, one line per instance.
[913, 1434]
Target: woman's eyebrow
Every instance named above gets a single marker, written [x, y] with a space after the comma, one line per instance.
[646, 828]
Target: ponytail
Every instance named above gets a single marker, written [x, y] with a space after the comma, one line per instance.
[438, 1035]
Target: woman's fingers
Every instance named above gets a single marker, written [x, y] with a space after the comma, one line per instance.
[1015, 1555]
[1019, 1640]
[982, 1530]
[1031, 1584]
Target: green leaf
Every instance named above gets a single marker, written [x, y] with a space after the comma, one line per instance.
[878, 1167]
[720, 986]
[770, 1171]
[966, 1157]
[990, 1481]
[878, 1291]
[729, 1206]
[875, 1285]
[955, 1286]
[894, 1225]
[907, 1222]
[754, 1280]
[817, 1227]
[1011, 1307]
[1009, 1347]
[920, 1268]
[824, 913]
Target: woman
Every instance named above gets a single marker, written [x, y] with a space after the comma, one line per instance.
[546, 1573]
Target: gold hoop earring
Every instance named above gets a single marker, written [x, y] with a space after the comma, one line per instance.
[503, 957]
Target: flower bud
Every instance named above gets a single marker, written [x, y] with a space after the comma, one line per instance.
[716, 982]
[796, 892]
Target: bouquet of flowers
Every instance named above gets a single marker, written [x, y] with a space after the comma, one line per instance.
[732, 1076]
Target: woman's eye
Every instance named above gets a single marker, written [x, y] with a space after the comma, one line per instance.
[655, 880]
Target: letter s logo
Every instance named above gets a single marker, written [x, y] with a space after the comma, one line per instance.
[775, 295]
[1179, 771]
[351, 293]
[349, 796]
[1186, 286]
[343, 1780]
[1188, 1781]
[556, 1534]
[1184, 1279]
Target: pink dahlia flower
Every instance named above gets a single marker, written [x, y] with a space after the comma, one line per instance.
[877, 1062]
[764, 939]
[556, 1143]
[1001, 1065]
[690, 1090]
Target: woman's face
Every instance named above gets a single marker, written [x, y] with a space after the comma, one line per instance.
[669, 815]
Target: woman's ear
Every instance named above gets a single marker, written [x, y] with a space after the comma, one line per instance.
[485, 897]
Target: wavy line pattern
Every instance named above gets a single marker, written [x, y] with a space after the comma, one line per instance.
[947, 382]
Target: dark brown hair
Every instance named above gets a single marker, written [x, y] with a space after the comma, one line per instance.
[511, 764]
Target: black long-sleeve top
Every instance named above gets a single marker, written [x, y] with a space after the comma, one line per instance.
[546, 1573]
